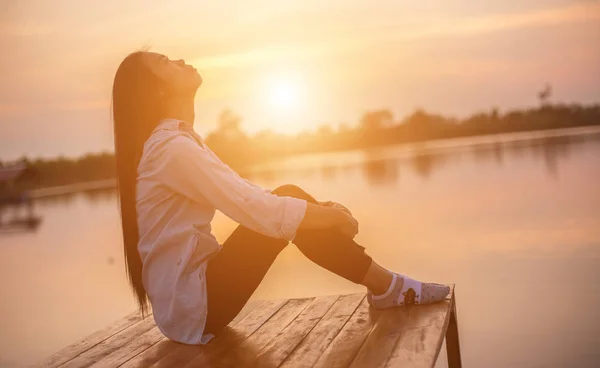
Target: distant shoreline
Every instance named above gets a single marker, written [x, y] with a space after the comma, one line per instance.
[467, 141]
[445, 143]
[376, 130]
[73, 188]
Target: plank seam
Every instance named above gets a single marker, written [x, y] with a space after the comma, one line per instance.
[304, 337]
[289, 323]
[439, 344]
[125, 362]
[365, 339]
[389, 354]
[45, 362]
[265, 321]
[341, 328]
[244, 339]
[166, 338]
[99, 342]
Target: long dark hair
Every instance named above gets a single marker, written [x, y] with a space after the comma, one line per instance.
[136, 111]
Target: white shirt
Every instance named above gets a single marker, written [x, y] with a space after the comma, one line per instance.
[180, 184]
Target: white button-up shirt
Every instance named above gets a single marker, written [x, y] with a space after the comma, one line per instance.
[180, 184]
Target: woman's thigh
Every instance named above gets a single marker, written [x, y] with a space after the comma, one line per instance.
[235, 272]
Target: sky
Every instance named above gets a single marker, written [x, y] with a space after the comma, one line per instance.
[288, 66]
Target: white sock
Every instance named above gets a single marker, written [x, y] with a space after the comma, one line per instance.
[405, 290]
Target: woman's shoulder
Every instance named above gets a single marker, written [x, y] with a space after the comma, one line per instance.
[165, 145]
[167, 140]
[158, 144]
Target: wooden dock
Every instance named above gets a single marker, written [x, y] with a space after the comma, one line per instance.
[328, 331]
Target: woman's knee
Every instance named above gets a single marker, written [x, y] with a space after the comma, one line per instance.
[290, 190]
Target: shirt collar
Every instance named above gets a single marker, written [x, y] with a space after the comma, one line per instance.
[173, 125]
[179, 125]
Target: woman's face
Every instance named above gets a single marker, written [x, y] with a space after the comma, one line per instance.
[176, 74]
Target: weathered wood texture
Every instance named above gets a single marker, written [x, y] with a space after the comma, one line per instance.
[327, 331]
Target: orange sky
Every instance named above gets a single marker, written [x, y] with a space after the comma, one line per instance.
[335, 58]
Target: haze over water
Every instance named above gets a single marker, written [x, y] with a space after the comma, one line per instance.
[515, 225]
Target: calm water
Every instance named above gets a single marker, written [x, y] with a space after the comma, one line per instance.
[512, 220]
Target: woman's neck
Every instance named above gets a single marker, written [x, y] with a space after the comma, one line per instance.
[180, 109]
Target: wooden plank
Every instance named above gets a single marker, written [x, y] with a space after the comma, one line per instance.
[152, 354]
[165, 346]
[382, 338]
[407, 336]
[420, 342]
[280, 347]
[452, 340]
[111, 344]
[249, 307]
[310, 349]
[249, 348]
[130, 349]
[345, 346]
[250, 323]
[212, 357]
[79, 347]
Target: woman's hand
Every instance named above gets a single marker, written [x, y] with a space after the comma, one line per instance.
[348, 224]
[334, 215]
[335, 205]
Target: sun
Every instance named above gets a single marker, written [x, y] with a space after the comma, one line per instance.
[284, 92]
[284, 98]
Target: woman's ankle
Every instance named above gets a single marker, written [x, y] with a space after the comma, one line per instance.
[377, 279]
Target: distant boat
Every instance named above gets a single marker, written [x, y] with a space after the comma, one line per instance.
[14, 194]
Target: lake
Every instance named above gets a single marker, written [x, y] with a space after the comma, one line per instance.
[513, 220]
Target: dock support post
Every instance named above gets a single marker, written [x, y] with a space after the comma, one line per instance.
[452, 343]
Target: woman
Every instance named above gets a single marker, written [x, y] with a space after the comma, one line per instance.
[171, 183]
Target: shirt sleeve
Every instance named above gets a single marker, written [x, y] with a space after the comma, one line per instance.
[196, 172]
[266, 190]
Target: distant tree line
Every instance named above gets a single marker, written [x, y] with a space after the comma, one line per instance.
[375, 128]
[379, 128]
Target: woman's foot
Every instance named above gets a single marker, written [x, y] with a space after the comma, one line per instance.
[405, 291]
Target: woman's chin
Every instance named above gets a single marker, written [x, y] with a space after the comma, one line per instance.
[196, 80]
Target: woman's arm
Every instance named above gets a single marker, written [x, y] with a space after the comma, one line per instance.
[194, 171]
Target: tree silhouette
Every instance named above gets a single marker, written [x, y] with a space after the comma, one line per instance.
[229, 125]
[545, 94]
[374, 120]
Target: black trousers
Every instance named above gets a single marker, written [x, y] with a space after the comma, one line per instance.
[235, 272]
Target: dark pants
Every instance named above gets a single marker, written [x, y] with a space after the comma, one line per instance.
[236, 271]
